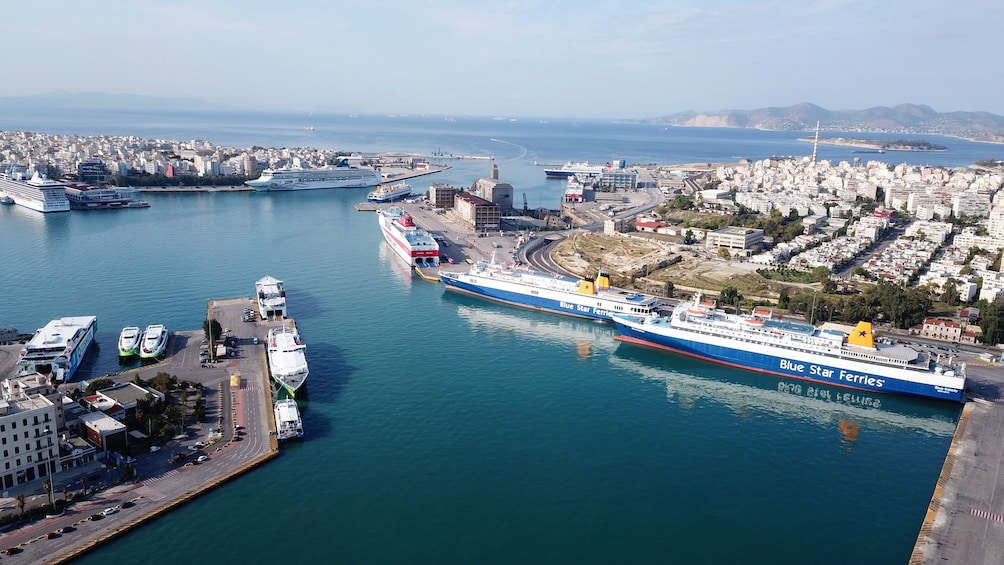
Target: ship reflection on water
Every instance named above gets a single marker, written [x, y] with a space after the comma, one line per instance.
[690, 382]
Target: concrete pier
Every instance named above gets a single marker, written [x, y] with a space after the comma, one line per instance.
[965, 520]
[237, 392]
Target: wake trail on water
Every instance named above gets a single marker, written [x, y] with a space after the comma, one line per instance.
[522, 150]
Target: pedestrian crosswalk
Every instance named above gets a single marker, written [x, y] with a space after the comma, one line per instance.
[987, 515]
[163, 475]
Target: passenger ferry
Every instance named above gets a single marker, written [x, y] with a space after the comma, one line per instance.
[58, 348]
[389, 193]
[271, 297]
[154, 342]
[293, 178]
[757, 342]
[583, 170]
[287, 358]
[412, 244]
[39, 193]
[521, 286]
[129, 340]
[288, 424]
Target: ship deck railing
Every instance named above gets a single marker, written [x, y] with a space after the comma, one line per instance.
[796, 342]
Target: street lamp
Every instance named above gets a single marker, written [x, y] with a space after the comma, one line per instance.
[48, 473]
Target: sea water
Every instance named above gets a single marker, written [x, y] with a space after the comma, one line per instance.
[445, 428]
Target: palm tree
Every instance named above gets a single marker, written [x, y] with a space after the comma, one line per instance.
[66, 490]
[20, 503]
[83, 484]
[47, 485]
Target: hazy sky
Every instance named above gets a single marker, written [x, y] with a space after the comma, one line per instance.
[514, 58]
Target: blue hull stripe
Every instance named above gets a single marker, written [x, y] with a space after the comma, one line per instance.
[762, 363]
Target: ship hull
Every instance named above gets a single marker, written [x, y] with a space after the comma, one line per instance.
[769, 359]
[568, 304]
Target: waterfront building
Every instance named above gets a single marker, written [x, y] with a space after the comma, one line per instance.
[441, 195]
[28, 440]
[618, 179]
[495, 191]
[478, 213]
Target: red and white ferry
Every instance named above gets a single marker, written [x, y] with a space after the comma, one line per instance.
[409, 242]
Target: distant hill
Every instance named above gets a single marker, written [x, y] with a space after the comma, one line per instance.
[102, 101]
[904, 118]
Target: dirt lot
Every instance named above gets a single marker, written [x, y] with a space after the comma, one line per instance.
[622, 256]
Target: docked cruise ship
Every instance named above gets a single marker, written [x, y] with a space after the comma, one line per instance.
[58, 348]
[412, 244]
[294, 178]
[288, 424]
[39, 193]
[389, 192]
[271, 297]
[287, 358]
[758, 342]
[521, 286]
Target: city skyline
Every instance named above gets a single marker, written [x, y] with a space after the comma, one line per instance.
[557, 59]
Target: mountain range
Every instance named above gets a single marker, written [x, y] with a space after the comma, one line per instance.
[904, 118]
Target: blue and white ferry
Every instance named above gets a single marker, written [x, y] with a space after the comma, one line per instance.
[521, 286]
[759, 343]
[58, 348]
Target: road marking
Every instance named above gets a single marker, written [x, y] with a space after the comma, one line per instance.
[164, 475]
[986, 515]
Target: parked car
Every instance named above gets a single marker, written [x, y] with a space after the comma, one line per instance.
[109, 511]
[154, 448]
[192, 448]
[52, 535]
[202, 458]
[200, 444]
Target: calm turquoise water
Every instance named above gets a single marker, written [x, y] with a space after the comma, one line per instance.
[443, 428]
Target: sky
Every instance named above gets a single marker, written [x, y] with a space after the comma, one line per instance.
[586, 59]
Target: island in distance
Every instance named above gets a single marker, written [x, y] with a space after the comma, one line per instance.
[879, 145]
[912, 119]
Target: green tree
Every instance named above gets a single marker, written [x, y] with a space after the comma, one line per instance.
[670, 287]
[99, 383]
[783, 298]
[730, 295]
[724, 253]
[950, 292]
[21, 501]
[212, 329]
[164, 382]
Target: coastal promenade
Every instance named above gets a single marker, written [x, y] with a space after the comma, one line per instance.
[243, 438]
[964, 524]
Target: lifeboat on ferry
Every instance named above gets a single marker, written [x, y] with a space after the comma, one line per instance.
[753, 321]
[696, 312]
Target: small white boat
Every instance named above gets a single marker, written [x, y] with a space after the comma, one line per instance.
[154, 342]
[288, 424]
[129, 341]
[286, 358]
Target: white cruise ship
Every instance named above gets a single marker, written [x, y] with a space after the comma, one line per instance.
[411, 243]
[58, 348]
[288, 424]
[289, 178]
[39, 193]
[271, 297]
[286, 358]
[154, 342]
[389, 193]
